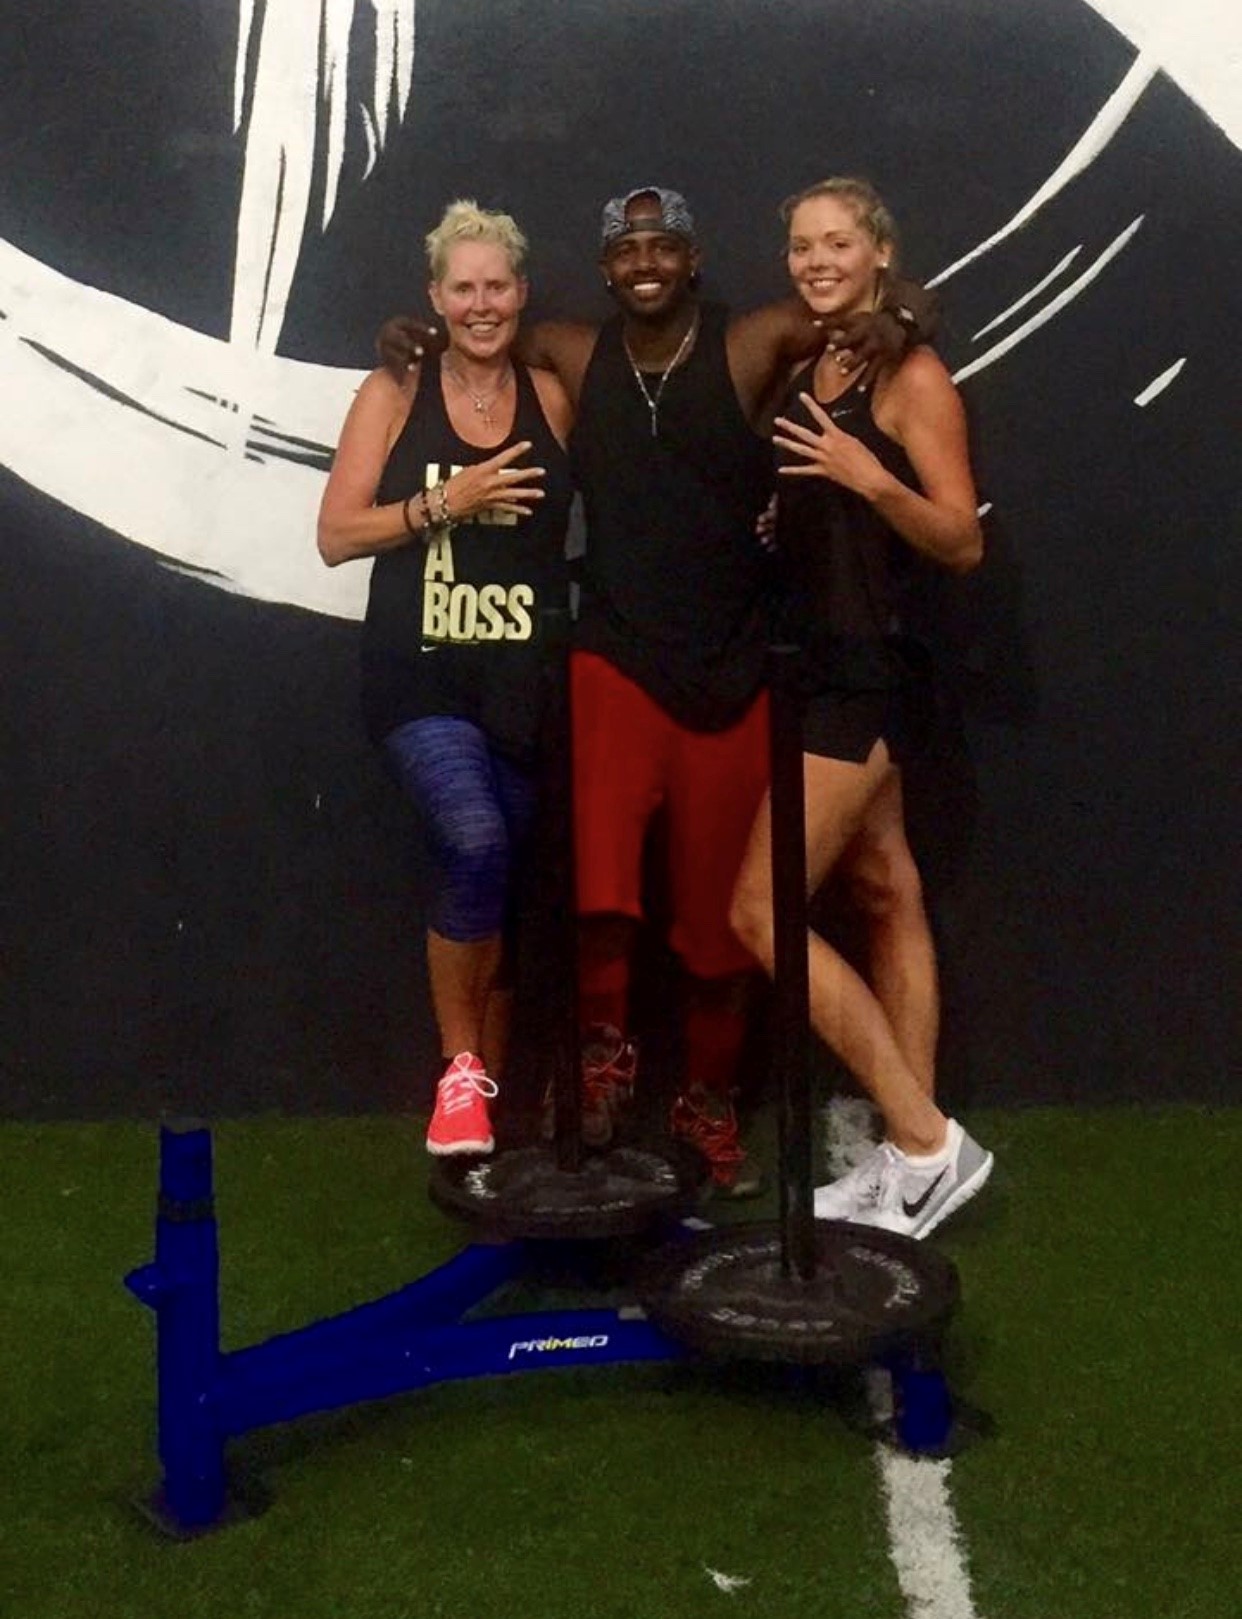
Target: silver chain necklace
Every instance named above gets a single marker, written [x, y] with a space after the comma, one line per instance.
[653, 405]
[482, 402]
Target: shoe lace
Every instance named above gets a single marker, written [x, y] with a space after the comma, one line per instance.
[874, 1182]
[888, 1182]
[462, 1080]
[714, 1133]
[607, 1068]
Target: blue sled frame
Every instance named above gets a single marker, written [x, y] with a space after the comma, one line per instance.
[406, 1340]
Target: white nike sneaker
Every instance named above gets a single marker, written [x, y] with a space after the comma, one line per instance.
[889, 1192]
[858, 1192]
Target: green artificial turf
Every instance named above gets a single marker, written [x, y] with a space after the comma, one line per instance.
[1104, 1286]
[1102, 1297]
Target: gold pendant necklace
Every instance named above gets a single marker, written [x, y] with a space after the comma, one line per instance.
[653, 405]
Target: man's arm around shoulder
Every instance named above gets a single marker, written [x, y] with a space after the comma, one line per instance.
[562, 346]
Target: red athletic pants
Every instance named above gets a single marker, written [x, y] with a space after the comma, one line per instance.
[631, 758]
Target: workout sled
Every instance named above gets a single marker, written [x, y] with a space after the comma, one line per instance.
[407, 1340]
[800, 1292]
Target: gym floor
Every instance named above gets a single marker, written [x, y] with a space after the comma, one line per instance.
[1102, 1290]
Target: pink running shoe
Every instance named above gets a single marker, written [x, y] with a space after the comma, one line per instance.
[460, 1122]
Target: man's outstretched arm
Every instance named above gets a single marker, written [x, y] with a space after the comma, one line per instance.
[766, 343]
[561, 346]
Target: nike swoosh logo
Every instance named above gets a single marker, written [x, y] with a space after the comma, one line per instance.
[920, 1203]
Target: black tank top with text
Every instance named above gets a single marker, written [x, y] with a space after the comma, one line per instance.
[843, 575]
[453, 627]
[674, 581]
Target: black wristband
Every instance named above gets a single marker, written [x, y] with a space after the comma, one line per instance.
[414, 533]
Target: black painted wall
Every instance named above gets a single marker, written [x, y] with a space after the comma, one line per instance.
[210, 892]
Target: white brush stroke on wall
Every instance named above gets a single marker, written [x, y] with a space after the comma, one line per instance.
[1081, 155]
[301, 67]
[187, 477]
[1031, 292]
[1158, 384]
[1053, 307]
[1198, 43]
[178, 490]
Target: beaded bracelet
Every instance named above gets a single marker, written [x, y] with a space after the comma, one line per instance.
[439, 493]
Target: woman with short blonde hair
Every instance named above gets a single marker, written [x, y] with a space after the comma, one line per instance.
[455, 480]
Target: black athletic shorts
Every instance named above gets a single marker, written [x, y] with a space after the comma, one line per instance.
[847, 725]
[839, 724]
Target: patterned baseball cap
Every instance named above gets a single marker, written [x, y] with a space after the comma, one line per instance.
[669, 213]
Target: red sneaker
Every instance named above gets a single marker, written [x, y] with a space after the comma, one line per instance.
[460, 1122]
[708, 1123]
[609, 1063]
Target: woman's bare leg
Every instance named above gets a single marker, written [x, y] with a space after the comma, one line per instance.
[885, 885]
[461, 977]
[497, 1024]
[845, 1012]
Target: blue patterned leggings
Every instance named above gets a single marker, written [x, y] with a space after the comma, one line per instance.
[476, 806]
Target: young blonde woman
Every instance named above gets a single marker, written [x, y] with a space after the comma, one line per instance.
[872, 471]
[455, 480]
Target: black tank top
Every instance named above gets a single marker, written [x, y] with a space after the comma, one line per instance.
[842, 573]
[453, 627]
[674, 582]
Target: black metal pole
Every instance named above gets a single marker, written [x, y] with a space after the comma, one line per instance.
[792, 993]
[564, 1049]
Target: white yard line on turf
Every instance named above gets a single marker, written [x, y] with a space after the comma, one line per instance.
[924, 1539]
